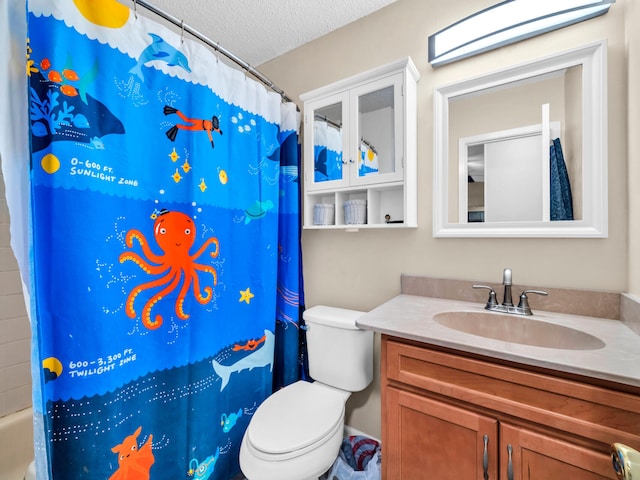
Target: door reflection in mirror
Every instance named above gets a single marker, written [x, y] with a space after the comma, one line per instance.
[510, 176]
[512, 171]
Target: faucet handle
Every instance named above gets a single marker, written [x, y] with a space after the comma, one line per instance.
[491, 302]
[524, 300]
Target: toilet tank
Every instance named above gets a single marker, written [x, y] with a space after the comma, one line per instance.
[340, 354]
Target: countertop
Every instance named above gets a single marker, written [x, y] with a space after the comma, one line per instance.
[412, 317]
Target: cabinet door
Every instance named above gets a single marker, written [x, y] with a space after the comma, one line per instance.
[427, 439]
[376, 150]
[527, 455]
[327, 142]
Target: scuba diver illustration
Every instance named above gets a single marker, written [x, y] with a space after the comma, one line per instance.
[195, 125]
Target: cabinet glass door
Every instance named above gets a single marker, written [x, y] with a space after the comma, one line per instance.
[379, 122]
[327, 143]
[375, 119]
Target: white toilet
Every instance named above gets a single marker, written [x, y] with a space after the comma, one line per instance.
[31, 471]
[296, 433]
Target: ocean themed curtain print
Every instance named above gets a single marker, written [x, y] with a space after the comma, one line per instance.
[165, 259]
[327, 151]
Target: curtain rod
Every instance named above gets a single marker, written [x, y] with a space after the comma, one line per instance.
[216, 46]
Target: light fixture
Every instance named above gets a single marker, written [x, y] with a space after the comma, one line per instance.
[508, 22]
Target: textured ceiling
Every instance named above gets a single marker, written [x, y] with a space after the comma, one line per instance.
[259, 30]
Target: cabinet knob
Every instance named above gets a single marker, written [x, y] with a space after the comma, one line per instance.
[510, 463]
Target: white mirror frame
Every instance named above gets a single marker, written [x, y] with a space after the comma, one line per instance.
[594, 223]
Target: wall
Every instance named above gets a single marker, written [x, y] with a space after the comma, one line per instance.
[572, 146]
[15, 373]
[365, 268]
[633, 57]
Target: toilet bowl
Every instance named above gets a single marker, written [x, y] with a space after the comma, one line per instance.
[31, 471]
[296, 433]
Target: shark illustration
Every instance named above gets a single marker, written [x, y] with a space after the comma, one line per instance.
[259, 358]
[162, 51]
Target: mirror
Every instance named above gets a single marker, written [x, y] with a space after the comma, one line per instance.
[522, 152]
[376, 118]
[327, 143]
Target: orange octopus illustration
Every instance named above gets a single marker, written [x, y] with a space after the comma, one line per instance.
[175, 234]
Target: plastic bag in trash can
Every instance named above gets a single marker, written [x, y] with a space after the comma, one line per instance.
[358, 459]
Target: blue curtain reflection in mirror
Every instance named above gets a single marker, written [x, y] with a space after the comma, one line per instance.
[327, 144]
[561, 203]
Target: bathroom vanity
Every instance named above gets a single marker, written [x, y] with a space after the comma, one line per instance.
[459, 405]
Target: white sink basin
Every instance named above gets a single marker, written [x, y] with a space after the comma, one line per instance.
[516, 329]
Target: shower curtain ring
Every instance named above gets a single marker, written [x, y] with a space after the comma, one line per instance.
[135, 8]
[182, 31]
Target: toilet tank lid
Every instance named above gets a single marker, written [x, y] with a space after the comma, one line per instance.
[332, 316]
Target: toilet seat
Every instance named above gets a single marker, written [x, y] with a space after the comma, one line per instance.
[295, 420]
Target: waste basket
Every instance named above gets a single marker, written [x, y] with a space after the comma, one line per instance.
[358, 459]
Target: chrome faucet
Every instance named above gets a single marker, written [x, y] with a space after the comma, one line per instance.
[507, 306]
[506, 281]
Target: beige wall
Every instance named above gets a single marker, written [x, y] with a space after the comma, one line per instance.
[362, 270]
[633, 101]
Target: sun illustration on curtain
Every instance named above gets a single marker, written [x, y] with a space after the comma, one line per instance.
[174, 233]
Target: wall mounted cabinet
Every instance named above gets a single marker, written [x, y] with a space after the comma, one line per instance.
[360, 147]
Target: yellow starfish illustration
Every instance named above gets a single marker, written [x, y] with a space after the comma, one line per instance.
[246, 296]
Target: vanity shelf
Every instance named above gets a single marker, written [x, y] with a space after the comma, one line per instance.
[360, 145]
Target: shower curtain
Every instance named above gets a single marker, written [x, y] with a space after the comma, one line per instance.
[164, 258]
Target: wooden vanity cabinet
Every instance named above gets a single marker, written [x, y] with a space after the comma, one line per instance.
[429, 439]
[451, 416]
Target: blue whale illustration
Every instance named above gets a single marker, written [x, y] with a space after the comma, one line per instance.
[259, 358]
[162, 51]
